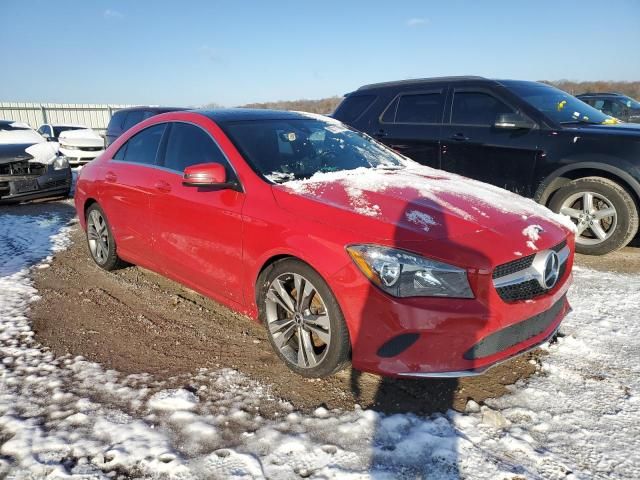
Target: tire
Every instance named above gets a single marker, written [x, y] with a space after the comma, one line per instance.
[598, 233]
[303, 324]
[100, 240]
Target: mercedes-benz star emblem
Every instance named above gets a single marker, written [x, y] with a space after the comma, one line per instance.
[551, 270]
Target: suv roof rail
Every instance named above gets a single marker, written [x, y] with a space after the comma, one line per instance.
[612, 94]
[420, 80]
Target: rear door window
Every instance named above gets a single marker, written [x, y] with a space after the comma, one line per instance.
[143, 146]
[477, 108]
[415, 108]
[190, 145]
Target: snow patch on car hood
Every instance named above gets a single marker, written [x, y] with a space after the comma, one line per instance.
[415, 197]
[81, 138]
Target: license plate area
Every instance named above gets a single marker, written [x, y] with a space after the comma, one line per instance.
[23, 186]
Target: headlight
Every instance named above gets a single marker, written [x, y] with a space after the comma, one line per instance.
[60, 163]
[403, 274]
[69, 147]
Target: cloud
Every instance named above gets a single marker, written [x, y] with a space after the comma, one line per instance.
[416, 22]
[109, 13]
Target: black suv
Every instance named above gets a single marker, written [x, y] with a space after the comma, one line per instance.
[123, 120]
[615, 104]
[527, 137]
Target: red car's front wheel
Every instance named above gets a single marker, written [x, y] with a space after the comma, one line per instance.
[303, 319]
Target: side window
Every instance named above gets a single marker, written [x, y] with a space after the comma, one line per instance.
[353, 107]
[115, 123]
[189, 145]
[420, 108]
[143, 146]
[134, 117]
[477, 108]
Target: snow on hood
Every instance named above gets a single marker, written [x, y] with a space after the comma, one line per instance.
[83, 138]
[427, 191]
[44, 153]
[408, 206]
[20, 136]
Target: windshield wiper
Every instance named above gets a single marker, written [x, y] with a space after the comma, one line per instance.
[586, 122]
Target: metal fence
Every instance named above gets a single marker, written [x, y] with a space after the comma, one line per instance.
[92, 115]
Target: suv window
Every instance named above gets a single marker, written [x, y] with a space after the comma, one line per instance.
[134, 117]
[418, 108]
[477, 108]
[189, 145]
[354, 106]
[143, 146]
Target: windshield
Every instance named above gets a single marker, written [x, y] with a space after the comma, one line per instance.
[631, 103]
[560, 106]
[283, 150]
[58, 130]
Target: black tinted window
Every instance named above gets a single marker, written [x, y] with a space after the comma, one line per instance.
[133, 118]
[116, 120]
[143, 146]
[352, 107]
[477, 108]
[420, 108]
[189, 145]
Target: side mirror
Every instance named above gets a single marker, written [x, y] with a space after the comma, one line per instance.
[47, 137]
[205, 175]
[513, 121]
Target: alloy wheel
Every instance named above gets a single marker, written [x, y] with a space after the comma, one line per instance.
[298, 320]
[98, 235]
[594, 215]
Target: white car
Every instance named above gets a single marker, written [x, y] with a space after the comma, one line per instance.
[51, 131]
[18, 133]
[80, 146]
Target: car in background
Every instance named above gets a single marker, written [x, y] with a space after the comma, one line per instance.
[123, 120]
[80, 146]
[18, 133]
[617, 105]
[52, 131]
[30, 171]
[528, 137]
[343, 249]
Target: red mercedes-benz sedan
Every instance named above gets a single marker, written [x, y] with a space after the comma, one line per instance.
[344, 249]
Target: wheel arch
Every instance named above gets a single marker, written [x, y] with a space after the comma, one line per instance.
[556, 180]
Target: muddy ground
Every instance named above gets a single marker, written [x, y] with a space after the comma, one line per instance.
[135, 321]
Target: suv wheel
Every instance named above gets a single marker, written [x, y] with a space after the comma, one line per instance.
[304, 322]
[604, 213]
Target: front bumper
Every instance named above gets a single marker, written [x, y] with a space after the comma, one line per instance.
[77, 156]
[444, 337]
[52, 183]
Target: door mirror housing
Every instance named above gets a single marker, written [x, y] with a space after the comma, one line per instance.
[205, 175]
[513, 121]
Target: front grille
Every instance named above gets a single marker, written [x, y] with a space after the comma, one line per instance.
[514, 334]
[525, 290]
[90, 149]
[22, 168]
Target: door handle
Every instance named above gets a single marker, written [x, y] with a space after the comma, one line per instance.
[162, 186]
[110, 177]
[459, 137]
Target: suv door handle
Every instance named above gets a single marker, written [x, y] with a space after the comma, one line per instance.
[459, 137]
[110, 177]
[162, 186]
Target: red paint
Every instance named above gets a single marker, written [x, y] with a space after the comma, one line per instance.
[217, 241]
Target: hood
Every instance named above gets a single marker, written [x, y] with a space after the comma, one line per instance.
[421, 205]
[14, 152]
[81, 138]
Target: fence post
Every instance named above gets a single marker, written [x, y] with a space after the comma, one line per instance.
[44, 114]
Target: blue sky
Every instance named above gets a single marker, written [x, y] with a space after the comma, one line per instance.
[184, 52]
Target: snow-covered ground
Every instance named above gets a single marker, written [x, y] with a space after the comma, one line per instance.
[579, 417]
